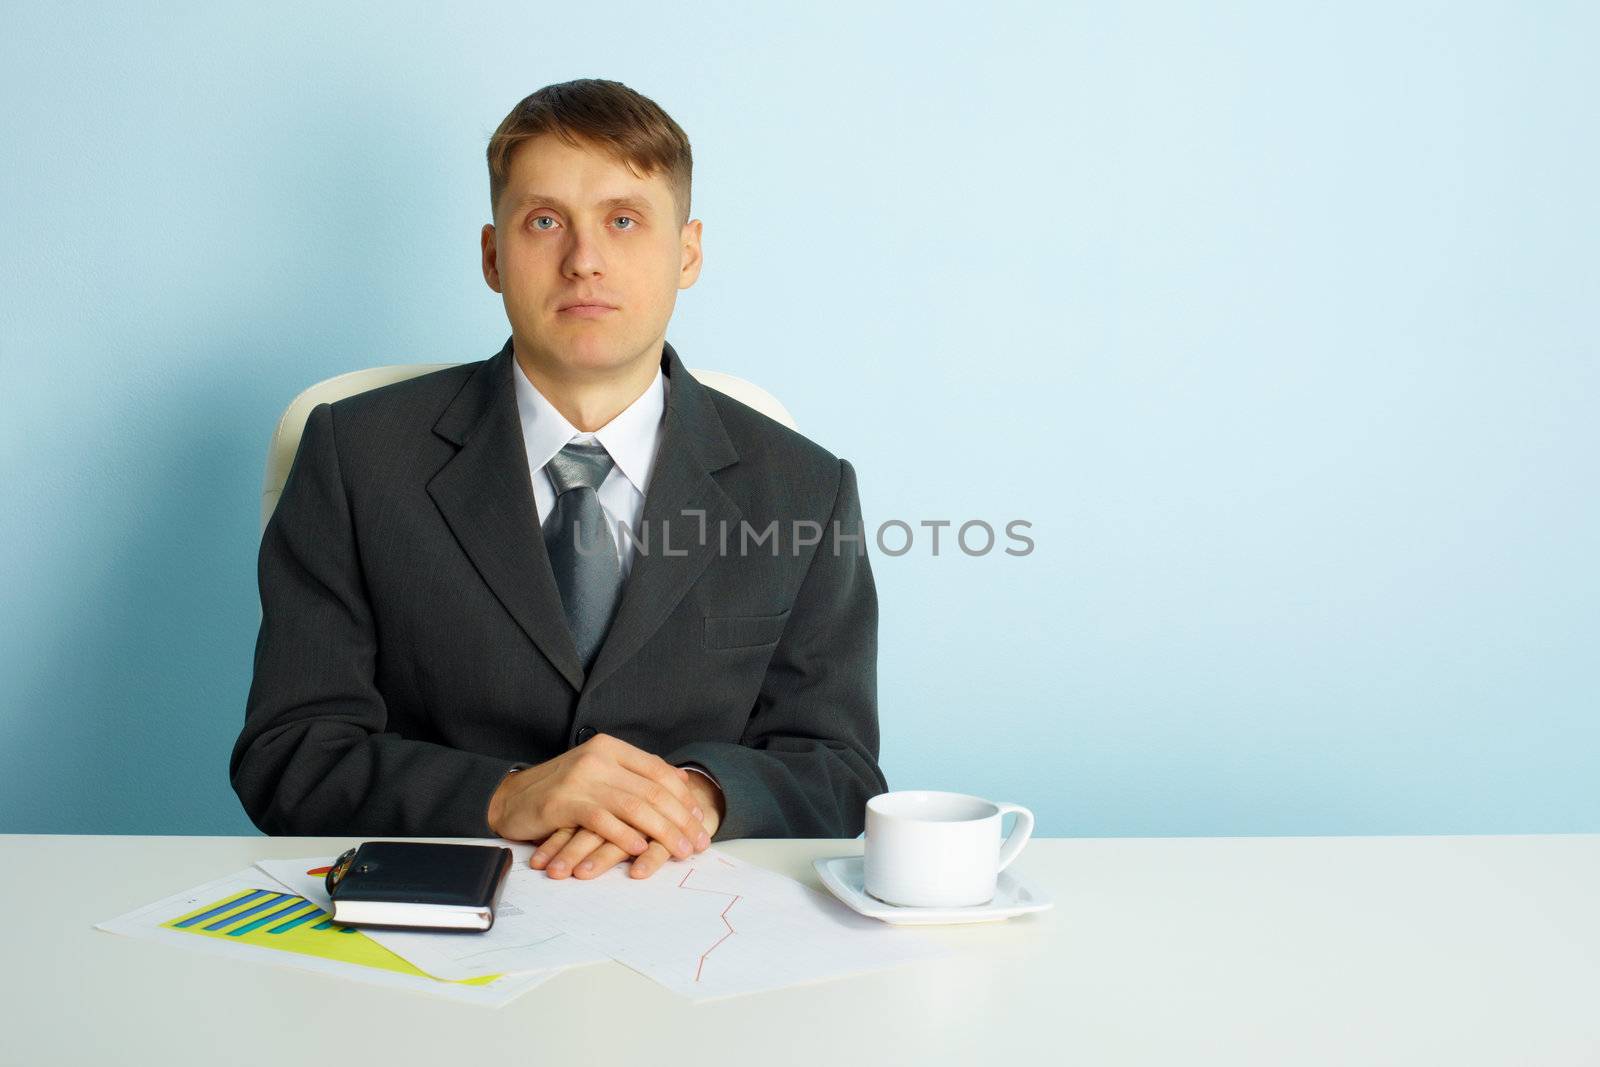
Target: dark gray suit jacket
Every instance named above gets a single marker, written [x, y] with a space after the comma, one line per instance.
[413, 649]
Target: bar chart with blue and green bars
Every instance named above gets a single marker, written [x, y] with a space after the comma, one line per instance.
[278, 920]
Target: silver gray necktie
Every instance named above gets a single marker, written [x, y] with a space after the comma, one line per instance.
[582, 551]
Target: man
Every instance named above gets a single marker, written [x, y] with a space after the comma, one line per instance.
[567, 594]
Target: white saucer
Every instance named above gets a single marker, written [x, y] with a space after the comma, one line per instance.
[843, 877]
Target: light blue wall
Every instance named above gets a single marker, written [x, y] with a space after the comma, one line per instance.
[1277, 321]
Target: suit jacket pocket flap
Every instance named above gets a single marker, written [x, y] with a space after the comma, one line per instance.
[740, 631]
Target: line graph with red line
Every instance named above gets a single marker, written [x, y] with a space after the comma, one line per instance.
[684, 884]
[716, 926]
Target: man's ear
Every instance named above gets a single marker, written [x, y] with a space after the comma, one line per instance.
[491, 264]
[692, 256]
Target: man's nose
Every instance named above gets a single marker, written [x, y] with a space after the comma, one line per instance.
[584, 253]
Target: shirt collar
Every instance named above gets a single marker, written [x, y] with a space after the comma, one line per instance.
[631, 438]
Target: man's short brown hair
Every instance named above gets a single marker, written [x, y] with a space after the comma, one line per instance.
[595, 113]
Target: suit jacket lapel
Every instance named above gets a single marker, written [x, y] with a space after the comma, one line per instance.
[486, 496]
[693, 444]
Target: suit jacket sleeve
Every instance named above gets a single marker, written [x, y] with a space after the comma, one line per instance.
[808, 761]
[315, 755]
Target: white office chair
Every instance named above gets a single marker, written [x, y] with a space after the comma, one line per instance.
[286, 438]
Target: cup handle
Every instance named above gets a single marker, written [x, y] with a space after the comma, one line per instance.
[1020, 832]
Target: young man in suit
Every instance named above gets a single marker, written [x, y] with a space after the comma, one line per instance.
[567, 594]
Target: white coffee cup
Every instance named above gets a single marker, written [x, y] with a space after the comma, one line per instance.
[927, 849]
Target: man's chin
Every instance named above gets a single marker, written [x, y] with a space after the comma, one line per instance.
[588, 357]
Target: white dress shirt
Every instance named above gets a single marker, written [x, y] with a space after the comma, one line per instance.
[631, 438]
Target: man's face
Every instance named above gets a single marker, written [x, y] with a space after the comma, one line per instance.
[574, 225]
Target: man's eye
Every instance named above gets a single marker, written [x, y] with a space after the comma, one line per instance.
[536, 218]
[624, 218]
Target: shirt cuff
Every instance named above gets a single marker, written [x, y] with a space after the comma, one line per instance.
[701, 770]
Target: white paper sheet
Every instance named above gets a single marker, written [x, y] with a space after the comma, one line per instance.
[518, 940]
[247, 915]
[712, 925]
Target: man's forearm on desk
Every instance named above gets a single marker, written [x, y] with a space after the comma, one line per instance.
[809, 759]
[316, 754]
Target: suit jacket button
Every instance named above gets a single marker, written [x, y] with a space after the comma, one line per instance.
[586, 733]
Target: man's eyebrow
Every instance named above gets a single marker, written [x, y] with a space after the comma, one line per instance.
[638, 203]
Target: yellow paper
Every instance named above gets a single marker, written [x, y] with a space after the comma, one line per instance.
[291, 923]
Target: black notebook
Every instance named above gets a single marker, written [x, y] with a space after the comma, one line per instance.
[418, 884]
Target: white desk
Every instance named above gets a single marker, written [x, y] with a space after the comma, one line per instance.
[1406, 950]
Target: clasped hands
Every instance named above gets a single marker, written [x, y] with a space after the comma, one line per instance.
[603, 801]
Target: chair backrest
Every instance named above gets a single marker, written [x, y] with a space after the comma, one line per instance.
[286, 437]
